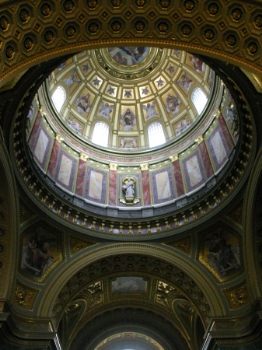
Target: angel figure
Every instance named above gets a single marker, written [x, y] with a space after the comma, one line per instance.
[73, 79]
[105, 110]
[150, 110]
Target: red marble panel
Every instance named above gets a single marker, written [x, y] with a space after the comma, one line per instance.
[225, 131]
[112, 187]
[53, 159]
[206, 160]
[178, 178]
[34, 133]
[146, 187]
[80, 177]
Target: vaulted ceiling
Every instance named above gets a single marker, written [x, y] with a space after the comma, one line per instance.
[180, 275]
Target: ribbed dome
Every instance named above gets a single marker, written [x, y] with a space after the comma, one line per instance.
[118, 97]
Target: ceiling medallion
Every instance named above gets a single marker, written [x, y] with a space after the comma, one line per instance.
[129, 62]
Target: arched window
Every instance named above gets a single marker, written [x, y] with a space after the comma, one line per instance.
[59, 97]
[199, 99]
[156, 135]
[100, 134]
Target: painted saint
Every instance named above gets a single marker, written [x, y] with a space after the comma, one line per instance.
[128, 120]
[173, 104]
[198, 65]
[185, 82]
[83, 104]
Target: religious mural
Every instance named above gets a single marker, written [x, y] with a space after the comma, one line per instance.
[128, 142]
[40, 252]
[105, 110]
[72, 79]
[185, 82]
[198, 65]
[172, 104]
[221, 253]
[75, 125]
[182, 126]
[129, 285]
[128, 120]
[83, 103]
[129, 56]
[150, 110]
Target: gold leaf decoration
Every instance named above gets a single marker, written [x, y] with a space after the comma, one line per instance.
[77, 244]
[238, 297]
[184, 245]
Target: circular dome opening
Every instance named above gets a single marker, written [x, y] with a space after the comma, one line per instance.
[133, 141]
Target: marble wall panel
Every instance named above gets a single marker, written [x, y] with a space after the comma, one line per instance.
[112, 187]
[65, 170]
[42, 147]
[163, 185]
[95, 189]
[206, 159]
[218, 148]
[80, 177]
[34, 133]
[178, 178]
[194, 171]
[225, 132]
[146, 187]
[53, 159]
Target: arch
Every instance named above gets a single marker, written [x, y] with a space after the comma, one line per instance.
[172, 31]
[251, 229]
[50, 295]
[9, 224]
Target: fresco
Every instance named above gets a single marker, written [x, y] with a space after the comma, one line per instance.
[129, 56]
[185, 82]
[198, 65]
[128, 120]
[128, 142]
[41, 251]
[129, 285]
[150, 110]
[105, 110]
[75, 125]
[221, 253]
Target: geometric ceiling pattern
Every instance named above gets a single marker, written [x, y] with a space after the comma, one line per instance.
[185, 279]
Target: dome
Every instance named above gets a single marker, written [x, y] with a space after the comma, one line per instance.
[133, 132]
[137, 97]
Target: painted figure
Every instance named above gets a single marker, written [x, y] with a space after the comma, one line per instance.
[83, 104]
[128, 120]
[105, 110]
[172, 104]
[198, 65]
[36, 255]
[150, 110]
